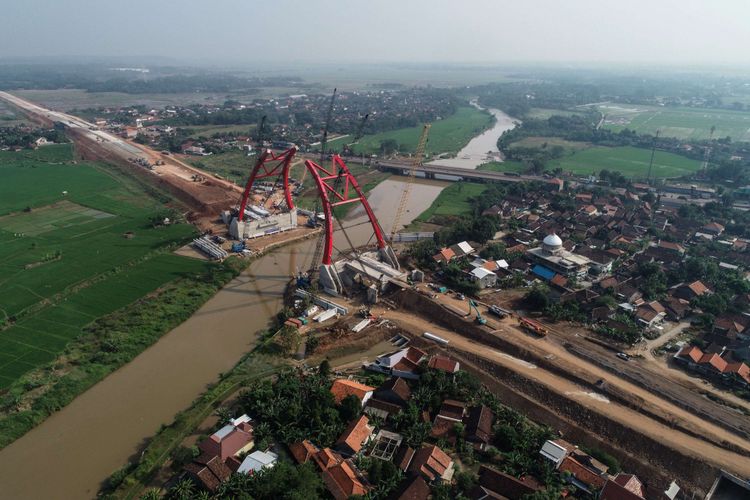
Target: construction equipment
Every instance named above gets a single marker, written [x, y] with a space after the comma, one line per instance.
[357, 136]
[707, 153]
[533, 326]
[259, 131]
[329, 117]
[416, 161]
[479, 319]
[499, 311]
[653, 152]
[324, 138]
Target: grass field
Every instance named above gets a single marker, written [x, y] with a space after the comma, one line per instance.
[545, 113]
[631, 162]
[446, 136]
[10, 117]
[64, 257]
[232, 165]
[453, 201]
[542, 142]
[683, 123]
[503, 166]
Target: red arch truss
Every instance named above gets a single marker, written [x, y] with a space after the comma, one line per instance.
[337, 186]
[269, 164]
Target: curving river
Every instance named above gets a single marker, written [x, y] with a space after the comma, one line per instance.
[77, 448]
[482, 148]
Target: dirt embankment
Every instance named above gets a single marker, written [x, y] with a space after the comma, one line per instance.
[205, 197]
[652, 461]
[431, 309]
[625, 441]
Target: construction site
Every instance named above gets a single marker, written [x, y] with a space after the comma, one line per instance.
[362, 296]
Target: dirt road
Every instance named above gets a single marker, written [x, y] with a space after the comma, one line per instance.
[678, 440]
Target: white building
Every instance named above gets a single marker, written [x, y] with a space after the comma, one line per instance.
[257, 460]
[483, 277]
[256, 225]
[553, 255]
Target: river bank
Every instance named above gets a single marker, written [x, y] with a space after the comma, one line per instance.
[105, 427]
[482, 148]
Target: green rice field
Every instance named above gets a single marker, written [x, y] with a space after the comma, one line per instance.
[545, 113]
[680, 122]
[631, 162]
[448, 135]
[453, 201]
[76, 243]
[503, 166]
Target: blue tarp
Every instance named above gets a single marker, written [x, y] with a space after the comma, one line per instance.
[543, 272]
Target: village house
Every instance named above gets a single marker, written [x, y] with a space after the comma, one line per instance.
[443, 363]
[343, 387]
[493, 484]
[444, 256]
[402, 363]
[357, 433]
[232, 439]
[483, 277]
[479, 426]
[433, 464]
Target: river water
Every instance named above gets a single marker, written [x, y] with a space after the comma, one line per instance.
[81, 445]
[482, 148]
[70, 454]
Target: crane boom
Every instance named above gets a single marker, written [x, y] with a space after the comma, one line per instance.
[324, 139]
[417, 160]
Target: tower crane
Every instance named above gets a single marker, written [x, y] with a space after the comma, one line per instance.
[324, 139]
[416, 161]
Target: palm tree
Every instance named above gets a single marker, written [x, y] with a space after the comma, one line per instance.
[183, 490]
[151, 494]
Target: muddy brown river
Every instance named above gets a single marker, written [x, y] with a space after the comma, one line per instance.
[75, 450]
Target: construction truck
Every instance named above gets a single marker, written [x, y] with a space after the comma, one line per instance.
[479, 319]
[499, 311]
[533, 326]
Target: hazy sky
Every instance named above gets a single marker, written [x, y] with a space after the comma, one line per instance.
[676, 31]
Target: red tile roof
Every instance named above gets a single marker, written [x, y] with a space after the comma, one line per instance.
[443, 363]
[479, 425]
[303, 451]
[343, 387]
[715, 361]
[613, 491]
[342, 481]
[210, 471]
[739, 369]
[581, 472]
[691, 352]
[452, 409]
[668, 245]
[630, 482]
[559, 280]
[355, 434]
[413, 489]
[502, 485]
[698, 288]
[431, 462]
[445, 255]
[415, 355]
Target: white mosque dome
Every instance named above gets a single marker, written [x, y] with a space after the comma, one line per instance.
[552, 242]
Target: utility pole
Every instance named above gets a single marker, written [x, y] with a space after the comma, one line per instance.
[651, 163]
